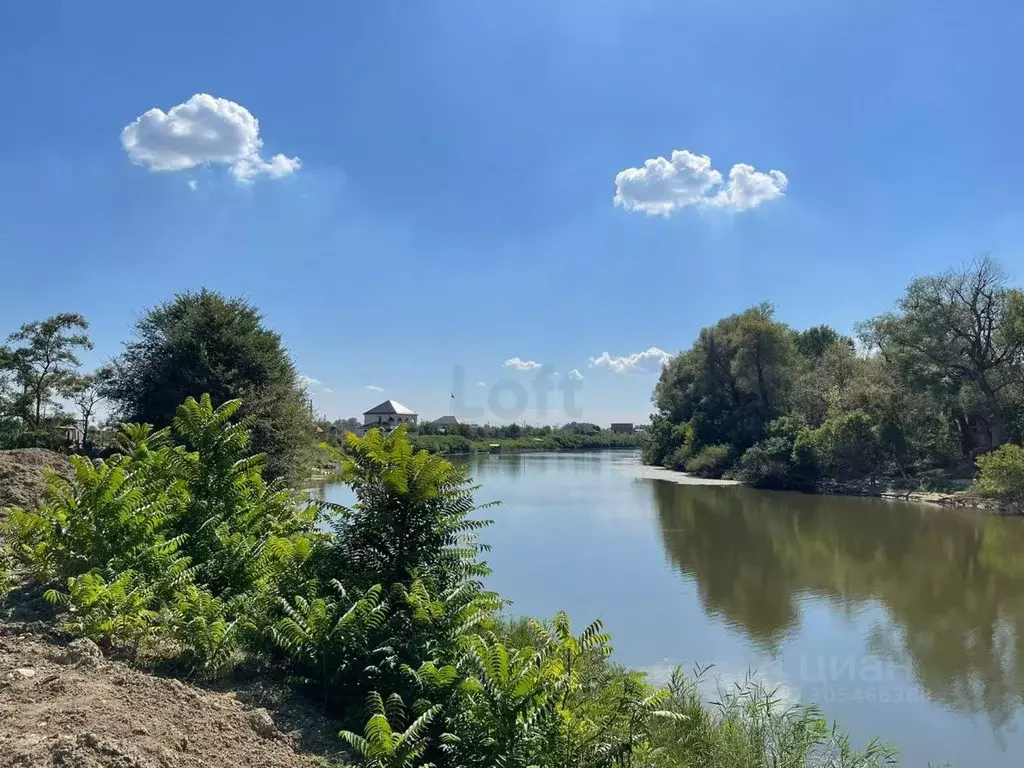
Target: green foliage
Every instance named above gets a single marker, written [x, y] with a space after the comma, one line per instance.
[37, 365]
[326, 636]
[549, 441]
[846, 446]
[387, 742]
[710, 461]
[1001, 475]
[781, 460]
[109, 612]
[160, 542]
[930, 385]
[207, 343]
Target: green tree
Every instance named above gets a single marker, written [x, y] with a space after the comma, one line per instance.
[43, 362]
[968, 326]
[86, 392]
[1001, 475]
[206, 343]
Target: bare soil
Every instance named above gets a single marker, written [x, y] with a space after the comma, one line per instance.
[23, 475]
[64, 706]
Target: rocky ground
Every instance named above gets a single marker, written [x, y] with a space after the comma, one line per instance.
[63, 705]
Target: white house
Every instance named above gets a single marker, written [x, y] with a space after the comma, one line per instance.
[389, 415]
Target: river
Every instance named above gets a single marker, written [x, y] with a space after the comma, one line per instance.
[900, 621]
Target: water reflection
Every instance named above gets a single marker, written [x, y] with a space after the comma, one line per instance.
[953, 583]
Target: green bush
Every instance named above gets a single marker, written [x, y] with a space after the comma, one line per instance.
[1001, 475]
[846, 446]
[711, 461]
[166, 543]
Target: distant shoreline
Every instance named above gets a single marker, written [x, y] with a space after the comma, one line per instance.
[966, 500]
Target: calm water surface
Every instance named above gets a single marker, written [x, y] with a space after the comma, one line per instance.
[900, 621]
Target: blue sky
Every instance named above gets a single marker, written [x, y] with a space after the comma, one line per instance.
[445, 192]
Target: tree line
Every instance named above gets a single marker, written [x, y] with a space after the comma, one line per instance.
[196, 343]
[919, 393]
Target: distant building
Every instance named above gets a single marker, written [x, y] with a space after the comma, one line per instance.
[450, 421]
[72, 434]
[623, 427]
[389, 415]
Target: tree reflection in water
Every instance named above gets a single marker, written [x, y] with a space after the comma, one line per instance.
[953, 582]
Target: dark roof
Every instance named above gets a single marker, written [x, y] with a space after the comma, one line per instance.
[389, 406]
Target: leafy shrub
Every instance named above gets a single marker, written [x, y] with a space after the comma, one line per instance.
[1001, 475]
[774, 462]
[163, 542]
[710, 461]
[846, 446]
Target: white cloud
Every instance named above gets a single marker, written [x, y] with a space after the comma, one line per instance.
[522, 365]
[374, 388]
[481, 383]
[648, 361]
[575, 375]
[308, 381]
[687, 179]
[203, 130]
[328, 391]
[193, 184]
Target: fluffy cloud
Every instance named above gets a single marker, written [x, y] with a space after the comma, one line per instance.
[374, 388]
[203, 130]
[663, 186]
[575, 375]
[522, 365]
[648, 361]
[481, 383]
[193, 184]
[308, 381]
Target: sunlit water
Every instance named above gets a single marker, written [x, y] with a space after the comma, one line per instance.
[900, 621]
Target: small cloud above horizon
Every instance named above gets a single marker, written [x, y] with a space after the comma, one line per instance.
[328, 391]
[522, 365]
[663, 185]
[308, 381]
[204, 130]
[374, 388]
[193, 184]
[575, 375]
[481, 383]
[650, 360]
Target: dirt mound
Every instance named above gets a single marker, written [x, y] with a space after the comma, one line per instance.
[23, 475]
[67, 707]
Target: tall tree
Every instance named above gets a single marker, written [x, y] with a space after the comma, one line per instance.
[967, 325]
[86, 393]
[44, 359]
[206, 343]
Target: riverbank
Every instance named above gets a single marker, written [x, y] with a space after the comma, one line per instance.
[451, 445]
[885, 488]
